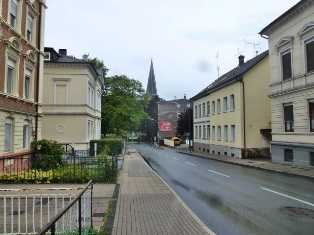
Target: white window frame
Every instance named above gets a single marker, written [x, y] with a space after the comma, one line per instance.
[213, 107]
[28, 72]
[11, 122]
[32, 30]
[213, 133]
[47, 56]
[18, 15]
[226, 133]
[233, 133]
[218, 106]
[208, 108]
[16, 75]
[307, 41]
[225, 104]
[219, 133]
[232, 103]
[282, 53]
[26, 136]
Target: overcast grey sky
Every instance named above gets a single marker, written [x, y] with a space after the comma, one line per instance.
[182, 36]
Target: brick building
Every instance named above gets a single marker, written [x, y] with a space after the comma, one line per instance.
[21, 74]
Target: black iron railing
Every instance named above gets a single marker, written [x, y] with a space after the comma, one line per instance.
[52, 228]
[71, 169]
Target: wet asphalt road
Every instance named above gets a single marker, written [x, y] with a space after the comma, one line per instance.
[235, 200]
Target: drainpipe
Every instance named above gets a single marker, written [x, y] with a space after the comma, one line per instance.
[38, 69]
[244, 115]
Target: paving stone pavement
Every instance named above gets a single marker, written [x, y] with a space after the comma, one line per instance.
[146, 205]
[302, 171]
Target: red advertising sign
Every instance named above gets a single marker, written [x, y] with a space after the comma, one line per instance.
[165, 126]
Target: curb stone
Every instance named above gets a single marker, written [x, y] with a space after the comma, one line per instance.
[249, 166]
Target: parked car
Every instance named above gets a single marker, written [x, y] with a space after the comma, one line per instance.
[176, 140]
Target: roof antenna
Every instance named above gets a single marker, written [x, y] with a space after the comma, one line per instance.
[217, 64]
[255, 45]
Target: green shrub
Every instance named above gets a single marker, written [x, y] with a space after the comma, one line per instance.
[48, 154]
[111, 146]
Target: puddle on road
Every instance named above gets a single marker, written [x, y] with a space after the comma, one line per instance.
[214, 201]
[180, 184]
[298, 211]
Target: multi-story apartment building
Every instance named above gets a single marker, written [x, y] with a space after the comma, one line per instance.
[72, 100]
[21, 74]
[291, 50]
[169, 112]
[232, 114]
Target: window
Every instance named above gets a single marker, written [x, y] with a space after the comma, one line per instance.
[233, 133]
[30, 28]
[11, 76]
[26, 136]
[13, 13]
[312, 159]
[61, 94]
[311, 111]
[199, 111]
[8, 135]
[286, 65]
[27, 84]
[213, 133]
[208, 132]
[90, 129]
[225, 105]
[213, 107]
[46, 56]
[309, 47]
[288, 155]
[288, 118]
[226, 133]
[195, 111]
[91, 96]
[219, 133]
[204, 112]
[204, 132]
[196, 132]
[218, 106]
[232, 104]
[208, 108]
[200, 132]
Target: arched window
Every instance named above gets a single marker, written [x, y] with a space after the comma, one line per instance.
[8, 135]
[26, 136]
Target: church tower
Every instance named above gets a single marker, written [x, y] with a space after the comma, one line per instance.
[151, 84]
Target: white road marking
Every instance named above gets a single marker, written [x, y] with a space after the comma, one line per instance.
[287, 196]
[218, 173]
[190, 163]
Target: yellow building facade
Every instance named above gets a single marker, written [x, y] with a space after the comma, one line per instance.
[232, 115]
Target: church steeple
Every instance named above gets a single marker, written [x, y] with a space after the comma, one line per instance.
[151, 84]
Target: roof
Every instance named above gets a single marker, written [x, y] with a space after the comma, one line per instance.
[230, 77]
[283, 16]
[179, 101]
[151, 84]
[56, 57]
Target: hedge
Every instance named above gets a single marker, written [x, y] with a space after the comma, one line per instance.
[111, 146]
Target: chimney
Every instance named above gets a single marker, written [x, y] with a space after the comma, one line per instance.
[63, 52]
[241, 60]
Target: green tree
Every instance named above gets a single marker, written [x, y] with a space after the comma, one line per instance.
[123, 105]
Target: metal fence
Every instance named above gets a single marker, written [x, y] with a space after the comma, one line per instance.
[81, 222]
[24, 212]
[72, 169]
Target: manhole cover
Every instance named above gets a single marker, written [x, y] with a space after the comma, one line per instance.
[299, 211]
[98, 214]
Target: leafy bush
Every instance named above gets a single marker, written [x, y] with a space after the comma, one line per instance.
[48, 154]
[111, 146]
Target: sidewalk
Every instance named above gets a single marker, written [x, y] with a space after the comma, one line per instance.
[146, 205]
[259, 164]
